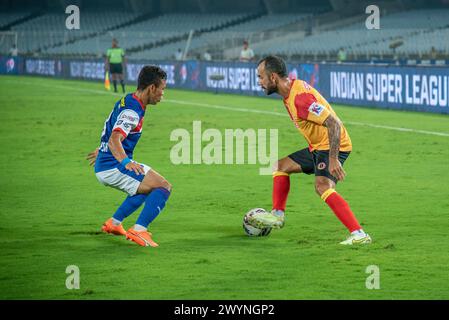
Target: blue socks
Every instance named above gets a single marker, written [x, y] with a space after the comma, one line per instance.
[128, 206]
[154, 203]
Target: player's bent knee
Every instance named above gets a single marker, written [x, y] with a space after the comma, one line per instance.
[277, 172]
[322, 187]
[144, 189]
[166, 185]
[284, 166]
[281, 166]
[318, 189]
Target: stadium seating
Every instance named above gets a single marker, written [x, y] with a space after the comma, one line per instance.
[50, 29]
[148, 32]
[8, 18]
[225, 37]
[420, 43]
[358, 40]
[160, 37]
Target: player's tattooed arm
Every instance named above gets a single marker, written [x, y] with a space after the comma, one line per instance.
[333, 126]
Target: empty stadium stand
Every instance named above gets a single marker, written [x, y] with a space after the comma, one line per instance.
[50, 30]
[148, 32]
[412, 27]
[223, 38]
[412, 33]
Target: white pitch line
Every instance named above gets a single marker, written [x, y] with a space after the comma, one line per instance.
[214, 106]
[435, 133]
[442, 134]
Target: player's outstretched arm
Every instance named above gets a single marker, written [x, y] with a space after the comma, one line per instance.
[92, 157]
[116, 148]
[333, 126]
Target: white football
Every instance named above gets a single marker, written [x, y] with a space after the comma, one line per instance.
[251, 230]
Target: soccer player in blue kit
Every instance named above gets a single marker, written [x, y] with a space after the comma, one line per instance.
[114, 164]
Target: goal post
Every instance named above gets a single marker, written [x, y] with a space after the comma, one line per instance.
[8, 40]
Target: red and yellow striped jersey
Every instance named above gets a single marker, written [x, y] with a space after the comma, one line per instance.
[308, 110]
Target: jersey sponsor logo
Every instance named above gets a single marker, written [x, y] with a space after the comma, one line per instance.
[138, 128]
[125, 125]
[316, 109]
[129, 116]
[127, 120]
[122, 102]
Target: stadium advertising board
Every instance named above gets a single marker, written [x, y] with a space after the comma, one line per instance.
[87, 69]
[417, 88]
[242, 77]
[184, 74]
[133, 69]
[44, 67]
[230, 77]
[395, 87]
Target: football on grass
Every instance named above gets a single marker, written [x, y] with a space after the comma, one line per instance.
[251, 230]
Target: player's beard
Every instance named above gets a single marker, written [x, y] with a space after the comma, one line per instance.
[271, 88]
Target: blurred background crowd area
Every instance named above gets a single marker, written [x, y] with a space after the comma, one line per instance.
[232, 30]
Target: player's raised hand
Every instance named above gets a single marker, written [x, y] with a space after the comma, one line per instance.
[136, 167]
[336, 169]
[92, 157]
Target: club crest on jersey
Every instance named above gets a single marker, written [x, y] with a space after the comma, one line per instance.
[316, 109]
[321, 166]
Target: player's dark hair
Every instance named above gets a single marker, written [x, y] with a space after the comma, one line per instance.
[274, 64]
[150, 75]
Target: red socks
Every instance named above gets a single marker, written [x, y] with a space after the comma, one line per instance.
[341, 209]
[281, 188]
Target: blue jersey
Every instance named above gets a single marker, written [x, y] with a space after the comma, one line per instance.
[126, 118]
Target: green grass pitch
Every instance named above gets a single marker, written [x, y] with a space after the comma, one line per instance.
[52, 206]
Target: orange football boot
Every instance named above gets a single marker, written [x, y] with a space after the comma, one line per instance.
[109, 227]
[142, 238]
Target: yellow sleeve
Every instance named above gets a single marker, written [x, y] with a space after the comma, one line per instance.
[318, 113]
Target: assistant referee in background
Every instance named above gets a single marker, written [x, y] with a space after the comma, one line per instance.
[115, 64]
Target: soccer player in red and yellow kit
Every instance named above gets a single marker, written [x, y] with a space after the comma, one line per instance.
[329, 147]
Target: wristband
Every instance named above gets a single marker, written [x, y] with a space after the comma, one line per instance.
[125, 161]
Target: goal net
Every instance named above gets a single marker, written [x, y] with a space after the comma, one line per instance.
[8, 41]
